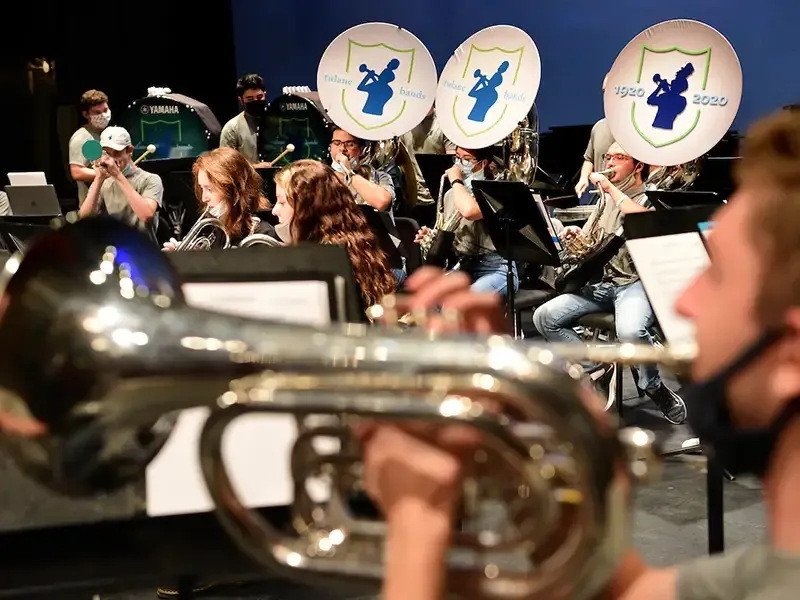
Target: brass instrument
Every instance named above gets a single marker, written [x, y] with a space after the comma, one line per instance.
[678, 178]
[384, 154]
[258, 239]
[521, 150]
[123, 352]
[441, 227]
[194, 241]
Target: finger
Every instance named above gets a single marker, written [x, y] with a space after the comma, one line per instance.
[421, 277]
[481, 313]
[436, 290]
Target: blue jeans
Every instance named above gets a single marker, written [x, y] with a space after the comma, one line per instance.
[400, 276]
[632, 315]
[488, 273]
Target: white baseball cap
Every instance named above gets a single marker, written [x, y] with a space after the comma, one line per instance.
[116, 138]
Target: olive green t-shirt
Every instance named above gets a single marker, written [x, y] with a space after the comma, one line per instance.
[749, 573]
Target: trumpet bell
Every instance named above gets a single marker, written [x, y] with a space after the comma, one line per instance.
[108, 352]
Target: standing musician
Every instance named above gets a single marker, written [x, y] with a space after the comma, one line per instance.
[600, 141]
[745, 403]
[94, 108]
[241, 131]
[472, 244]
[122, 189]
[369, 186]
[619, 290]
[313, 205]
[228, 187]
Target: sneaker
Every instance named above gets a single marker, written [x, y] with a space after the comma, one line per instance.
[669, 403]
[601, 378]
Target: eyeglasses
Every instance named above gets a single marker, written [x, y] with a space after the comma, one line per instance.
[617, 157]
[467, 162]
[349, 144]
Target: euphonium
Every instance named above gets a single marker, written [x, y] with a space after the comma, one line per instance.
[105, 351]
[194, 241]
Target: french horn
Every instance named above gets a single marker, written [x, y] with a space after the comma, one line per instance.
[194, 240]
[106, 352]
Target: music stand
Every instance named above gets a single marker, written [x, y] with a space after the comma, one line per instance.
[673, 238]
[432, 167]
[386, 231]
[304, 262]
[18, 232]
[516, 227]
[666, 200]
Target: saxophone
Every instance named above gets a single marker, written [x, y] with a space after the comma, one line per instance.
[440, 238]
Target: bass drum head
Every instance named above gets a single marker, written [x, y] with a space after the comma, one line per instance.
[178, 126]
[293, 119]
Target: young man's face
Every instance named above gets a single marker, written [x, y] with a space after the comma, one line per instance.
[250, 95]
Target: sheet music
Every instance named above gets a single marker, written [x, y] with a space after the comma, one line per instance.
[551, 230]
[667, 265]
[255, 447]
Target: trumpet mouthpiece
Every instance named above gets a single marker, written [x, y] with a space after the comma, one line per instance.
[290, 147]
[151, 148]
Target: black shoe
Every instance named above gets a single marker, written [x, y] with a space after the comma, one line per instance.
[669, 403]
[601, 378]
[170, 592]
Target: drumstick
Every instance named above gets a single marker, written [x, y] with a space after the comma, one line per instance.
[150, 150]
[289, 148]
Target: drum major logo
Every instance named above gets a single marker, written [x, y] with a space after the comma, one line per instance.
[670, 92]
[376, 83]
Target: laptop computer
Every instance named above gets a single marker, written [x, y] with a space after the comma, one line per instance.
[33, 200]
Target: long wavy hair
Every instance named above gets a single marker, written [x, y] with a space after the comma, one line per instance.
[240, 186]
[326, 213]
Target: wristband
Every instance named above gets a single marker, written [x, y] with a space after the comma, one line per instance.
[455, 181]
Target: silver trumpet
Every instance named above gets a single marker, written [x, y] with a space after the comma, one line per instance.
[256, 239]
[107, 352]
[193, 240]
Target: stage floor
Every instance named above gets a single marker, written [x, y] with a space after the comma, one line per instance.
[669, 523]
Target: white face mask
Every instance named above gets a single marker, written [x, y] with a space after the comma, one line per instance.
[218, 210]
[100, 121]
[284, 232]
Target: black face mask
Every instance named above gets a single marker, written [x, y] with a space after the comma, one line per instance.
[739, 451]
[255, 108]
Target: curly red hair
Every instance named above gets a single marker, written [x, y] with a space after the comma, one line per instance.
[325, 212]
[241, 186]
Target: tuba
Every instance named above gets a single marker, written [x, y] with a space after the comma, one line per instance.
[108, 351]
[520, 150]
[193, 240]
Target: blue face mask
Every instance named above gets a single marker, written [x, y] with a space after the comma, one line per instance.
[739, 450]
[126, 171]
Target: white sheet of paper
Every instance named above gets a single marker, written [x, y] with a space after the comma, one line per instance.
[667, 265]
[31, 178]
[256, 448]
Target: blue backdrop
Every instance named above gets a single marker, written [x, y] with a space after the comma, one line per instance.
[577, 40]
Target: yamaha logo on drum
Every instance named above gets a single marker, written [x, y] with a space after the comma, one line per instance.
[488, 86]
[377, 81]
[161, 109]
[673, 92]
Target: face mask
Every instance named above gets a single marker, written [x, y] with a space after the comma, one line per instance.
[255, 108]
[740, 451]
[100, 121]
[127, 170]
[336, 165]
[218, 210]
[284, 232]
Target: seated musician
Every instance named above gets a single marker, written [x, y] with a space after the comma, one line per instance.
[122, 189]
[241, 131]
[619, 289]
[229, 188]
[472, 245]
[369, 186]
[313, 205]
